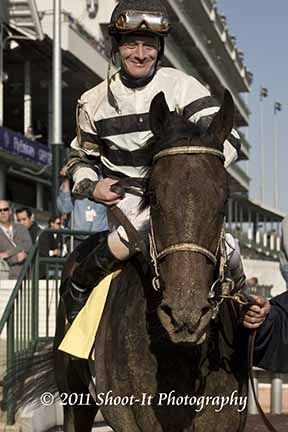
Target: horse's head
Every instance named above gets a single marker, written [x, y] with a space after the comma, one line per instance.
[187, 193]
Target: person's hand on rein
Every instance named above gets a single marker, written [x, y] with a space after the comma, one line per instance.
[103, 193]
[257, 313]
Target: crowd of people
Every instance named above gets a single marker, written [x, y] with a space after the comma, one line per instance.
[19, 229]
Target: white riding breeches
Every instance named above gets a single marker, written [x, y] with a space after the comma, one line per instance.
[118, 239]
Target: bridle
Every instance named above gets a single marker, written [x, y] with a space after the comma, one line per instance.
[226, 284]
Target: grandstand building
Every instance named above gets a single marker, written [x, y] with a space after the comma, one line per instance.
[201, 44]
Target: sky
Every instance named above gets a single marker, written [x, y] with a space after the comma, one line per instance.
[261, 31]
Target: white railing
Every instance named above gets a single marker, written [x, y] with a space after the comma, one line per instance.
[272, 401]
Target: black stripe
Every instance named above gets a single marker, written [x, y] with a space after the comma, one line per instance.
[89, 137]
[112, 174]
[135, 158]
[123, 125]
[235, 142]
[199, 105]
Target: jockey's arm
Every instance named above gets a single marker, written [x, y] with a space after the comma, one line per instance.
[83, 165]
[201, 110]
[232, 145]
[84, 171]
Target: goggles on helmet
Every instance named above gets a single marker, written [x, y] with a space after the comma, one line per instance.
[129, 21]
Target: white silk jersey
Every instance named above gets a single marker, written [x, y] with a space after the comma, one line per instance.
[119, 137]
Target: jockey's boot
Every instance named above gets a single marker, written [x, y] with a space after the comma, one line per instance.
[99, 263]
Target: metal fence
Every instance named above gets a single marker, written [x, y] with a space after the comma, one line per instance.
[30, 317]
[30, 313]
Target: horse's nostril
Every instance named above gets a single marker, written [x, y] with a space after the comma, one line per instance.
[206, 309]
[168, 311]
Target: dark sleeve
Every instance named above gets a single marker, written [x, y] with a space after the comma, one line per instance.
[271, 343]
[44, 244]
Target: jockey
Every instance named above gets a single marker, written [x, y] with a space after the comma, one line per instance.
[113, 128]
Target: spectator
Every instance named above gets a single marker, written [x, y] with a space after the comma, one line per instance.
[270, 318]
[283, 256]
[251, 285]
[252, 281]
[50, 244]
[24, 216]
[86, 215]
[15, 241]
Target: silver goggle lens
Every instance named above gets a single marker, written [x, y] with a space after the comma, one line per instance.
[134, 21]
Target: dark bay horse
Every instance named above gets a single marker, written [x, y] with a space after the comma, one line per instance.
[164, 360]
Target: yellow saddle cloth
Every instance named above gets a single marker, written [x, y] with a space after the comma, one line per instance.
[80, 337]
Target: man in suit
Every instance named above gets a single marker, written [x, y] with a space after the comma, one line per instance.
[270, 319]
[50, 244]
[25, 217]
[15, 241]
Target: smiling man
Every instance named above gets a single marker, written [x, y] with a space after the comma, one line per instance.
[139, 54]
[113, 131]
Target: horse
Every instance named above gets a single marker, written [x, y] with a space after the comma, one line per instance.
[169, 357]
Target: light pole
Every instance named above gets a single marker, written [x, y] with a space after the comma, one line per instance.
[56, 139]
[277, 108]
[263, 94]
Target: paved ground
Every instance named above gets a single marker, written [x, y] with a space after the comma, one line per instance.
[255, 424]
[102, 429]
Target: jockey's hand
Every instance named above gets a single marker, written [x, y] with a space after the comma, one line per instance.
[102, 192]
[256, 314]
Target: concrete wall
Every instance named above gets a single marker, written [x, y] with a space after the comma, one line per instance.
[4, 14]
[267, 272]
[77, 8]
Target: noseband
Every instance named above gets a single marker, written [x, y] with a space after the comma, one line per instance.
[157, 256]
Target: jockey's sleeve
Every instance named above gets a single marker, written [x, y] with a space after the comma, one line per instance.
[200, 107]
[84, 158]
[204, 115]
[83, 170]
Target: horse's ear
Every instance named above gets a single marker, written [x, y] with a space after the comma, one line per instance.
[159, 115]
[222, 122]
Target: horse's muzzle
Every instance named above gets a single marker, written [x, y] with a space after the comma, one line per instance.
[183, 327]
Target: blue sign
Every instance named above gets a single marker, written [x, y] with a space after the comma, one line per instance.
[16, 144]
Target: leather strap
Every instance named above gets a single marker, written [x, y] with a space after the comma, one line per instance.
[133, 186]
[134, 237]
[264, 418]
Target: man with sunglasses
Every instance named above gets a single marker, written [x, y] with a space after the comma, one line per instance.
[113, 130]
[15, 241]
